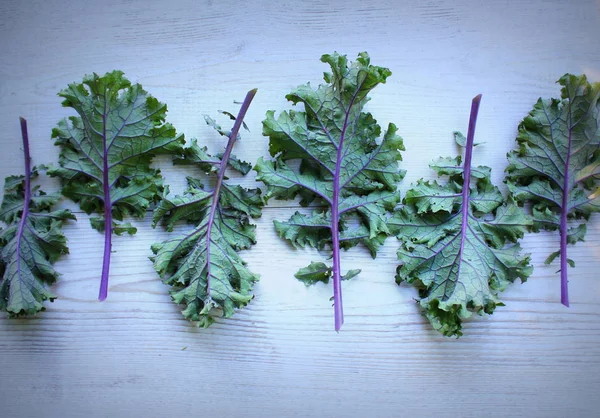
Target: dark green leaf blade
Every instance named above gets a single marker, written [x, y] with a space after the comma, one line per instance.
[182, 262]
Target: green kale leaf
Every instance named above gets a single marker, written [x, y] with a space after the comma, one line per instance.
[31, 242]
[106, 153]
[203, 267]
[334, 154]
[557, 165]
[455, 241]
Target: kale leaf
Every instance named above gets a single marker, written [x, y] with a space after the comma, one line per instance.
[106, 153]
[31, 242]
[454, 240]
[203, 266]
[557, 165]
[340, 166]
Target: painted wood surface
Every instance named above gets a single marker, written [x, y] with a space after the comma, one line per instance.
[134, 355]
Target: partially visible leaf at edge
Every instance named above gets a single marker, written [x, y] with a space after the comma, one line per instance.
[556, 165]
[31, 242]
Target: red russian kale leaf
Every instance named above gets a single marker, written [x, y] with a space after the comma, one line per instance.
[107, 150]
[454, 240]
[337, 161]
[203, 266]
[30, 243]
[557, 165]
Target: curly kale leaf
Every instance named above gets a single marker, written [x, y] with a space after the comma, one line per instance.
[31, 242]
[204, 267]
[342, 166]
[557, 165]
[106, 153]
[456, 241]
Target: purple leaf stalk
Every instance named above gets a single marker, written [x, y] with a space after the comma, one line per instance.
[107, 215]
[563, 229]
[223, 165]
[25, 213]
[467, 170]
[338, 307]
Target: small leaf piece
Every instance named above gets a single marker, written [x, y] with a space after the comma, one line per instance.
[106, 153]
[556, 164]
[313, 273]
[32, 241]
[453, 248]
[342, 164]
[203, 266]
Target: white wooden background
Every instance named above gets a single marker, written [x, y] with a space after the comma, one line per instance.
[134, 355]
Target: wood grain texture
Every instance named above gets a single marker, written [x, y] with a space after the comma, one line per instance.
[134, 355]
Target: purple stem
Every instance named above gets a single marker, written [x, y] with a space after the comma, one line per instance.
[27, 190]
[338, 306]
[467, 171]
[564, 282]
[107, 214]
[223, 165]
[335, 235]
